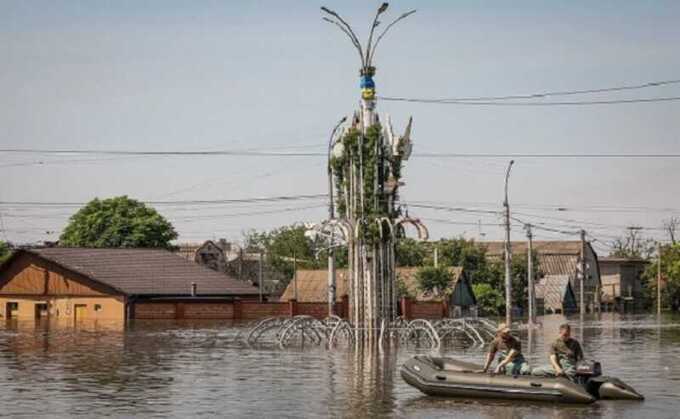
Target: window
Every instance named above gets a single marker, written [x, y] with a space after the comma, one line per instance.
[97, 307]
[12, 306]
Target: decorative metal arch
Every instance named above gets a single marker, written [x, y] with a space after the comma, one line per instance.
[423, 233]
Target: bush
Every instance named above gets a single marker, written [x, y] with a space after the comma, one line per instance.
[431, 279]
[490, 301]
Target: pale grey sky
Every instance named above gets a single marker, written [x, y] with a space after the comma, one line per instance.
[187, 75]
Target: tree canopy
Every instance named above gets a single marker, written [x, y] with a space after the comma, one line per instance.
[434, 279]
[5, 251]
[117, 222]
[670, 274]
[288, 244]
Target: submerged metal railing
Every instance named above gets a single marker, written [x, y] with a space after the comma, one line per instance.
[332, 332]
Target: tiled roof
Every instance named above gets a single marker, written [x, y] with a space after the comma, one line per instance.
[312, 285]
[555, 291]
[554, 257]
[548, 247]
[144, 271]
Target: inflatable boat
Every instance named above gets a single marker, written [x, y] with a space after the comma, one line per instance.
[452, 378]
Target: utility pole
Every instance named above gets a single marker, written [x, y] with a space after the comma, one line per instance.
[436, 257]
[260, 278]
[508, 252]
[295, 275]
[658, 281]
[583, 274]
[530, 277]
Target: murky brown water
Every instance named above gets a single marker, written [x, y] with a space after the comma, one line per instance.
[197, 369]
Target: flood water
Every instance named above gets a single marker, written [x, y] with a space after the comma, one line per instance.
[173, 369]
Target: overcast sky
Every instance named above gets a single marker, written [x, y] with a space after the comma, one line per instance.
[270, 75]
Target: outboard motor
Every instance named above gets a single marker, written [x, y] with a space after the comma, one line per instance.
[585, 370]
[589, 374]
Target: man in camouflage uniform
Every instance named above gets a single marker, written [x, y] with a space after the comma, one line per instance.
[511, 360]
[565, 352]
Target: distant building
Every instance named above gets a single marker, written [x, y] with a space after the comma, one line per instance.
[113, 284]
[212, 254]
[555, 295]
[223, 256]
[622, 285]
[560, 258]
[311, 286]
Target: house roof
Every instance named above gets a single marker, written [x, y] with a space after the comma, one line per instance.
[141, 271]
[312, 285]
[542, 247]
[556, 257]
[622, 261]
[556, 292]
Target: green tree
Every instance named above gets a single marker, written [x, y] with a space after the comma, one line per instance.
[490, 301]
[467, 254]
[286, 246]
[117, 222]
[5, 251]
[670, 273]
[410, 252]
[519, 274]
[433, 279]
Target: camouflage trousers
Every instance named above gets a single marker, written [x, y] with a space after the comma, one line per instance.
[548, 370]
[518, 366]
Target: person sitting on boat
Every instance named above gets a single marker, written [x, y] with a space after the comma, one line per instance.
[511, 360]
[565, 352]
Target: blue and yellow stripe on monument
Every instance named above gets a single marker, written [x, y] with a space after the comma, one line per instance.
[367, 87]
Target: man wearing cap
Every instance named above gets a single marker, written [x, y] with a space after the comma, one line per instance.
[565, 352]
[511, 360]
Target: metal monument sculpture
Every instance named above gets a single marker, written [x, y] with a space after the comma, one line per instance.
[364, 166]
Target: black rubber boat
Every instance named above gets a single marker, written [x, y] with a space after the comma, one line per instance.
[452, 378]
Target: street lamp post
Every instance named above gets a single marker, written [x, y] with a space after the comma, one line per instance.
[331, 215]
[508, 252]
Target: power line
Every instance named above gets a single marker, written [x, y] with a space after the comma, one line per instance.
[454, 209]
[245, 214]
[541, 95]
[575, 103]
[185, 202]
[552, 155]
[315, 154]
[239, 153]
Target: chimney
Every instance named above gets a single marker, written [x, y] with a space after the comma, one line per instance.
[193, 289]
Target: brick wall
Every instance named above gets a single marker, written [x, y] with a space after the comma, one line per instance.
[256, 310]
[239, 310]
[316, 310]
[155, 310]
[208, 310]
[426, 310]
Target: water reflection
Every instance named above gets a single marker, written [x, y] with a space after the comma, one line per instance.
[182, 369]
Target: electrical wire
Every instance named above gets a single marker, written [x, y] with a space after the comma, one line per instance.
[576, 103]
[185, 202]
[541, 95]
[320, 154]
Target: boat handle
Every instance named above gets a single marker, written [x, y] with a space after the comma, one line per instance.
[536, 385]
[440, 377]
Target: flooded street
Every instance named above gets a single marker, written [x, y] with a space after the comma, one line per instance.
[172, 369]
